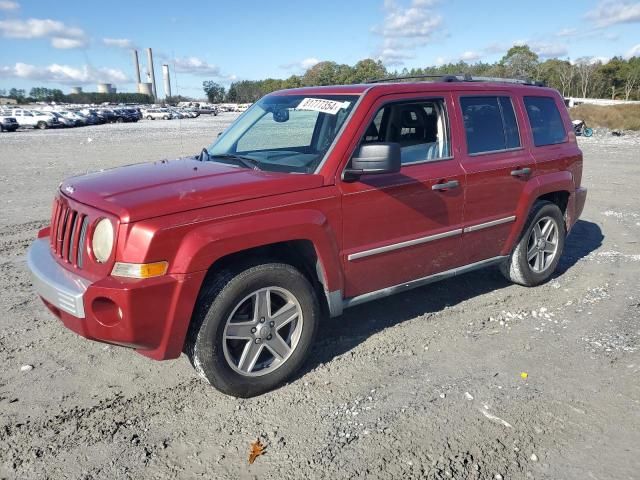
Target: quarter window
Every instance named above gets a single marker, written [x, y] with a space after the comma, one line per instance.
[421, 128]
[546, 122]
[490, 124]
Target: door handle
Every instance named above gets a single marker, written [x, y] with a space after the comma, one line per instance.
[521, 172]
[445, 185]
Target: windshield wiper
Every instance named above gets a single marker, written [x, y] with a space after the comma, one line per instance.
[204, 155]
[244, 161]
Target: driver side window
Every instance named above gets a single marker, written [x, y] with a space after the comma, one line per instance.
[421, 128]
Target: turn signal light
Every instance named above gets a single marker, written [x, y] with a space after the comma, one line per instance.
[139, 270]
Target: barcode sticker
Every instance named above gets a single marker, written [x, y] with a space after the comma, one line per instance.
[321, 105]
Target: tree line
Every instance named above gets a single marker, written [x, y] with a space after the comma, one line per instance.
[42, 94]
[618, 78]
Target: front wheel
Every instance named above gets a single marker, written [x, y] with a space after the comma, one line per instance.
[538, 251]
[587, 132]
[252, 328]
[41, 125]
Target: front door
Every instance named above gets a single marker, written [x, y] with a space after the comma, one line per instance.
[404, 226]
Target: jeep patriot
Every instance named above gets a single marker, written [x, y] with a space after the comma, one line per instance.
[314, 200]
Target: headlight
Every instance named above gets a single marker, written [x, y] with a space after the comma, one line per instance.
[102, 241]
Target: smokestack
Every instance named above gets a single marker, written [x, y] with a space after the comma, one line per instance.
[151, 72]
[136, 66]
[167, 81]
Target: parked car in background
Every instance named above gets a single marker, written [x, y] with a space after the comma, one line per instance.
[134, 113]
[106, 114]
[121, 115]
[34, 119]
[78, 120]
[156, 114]
[8, 123]
[64, 121]
[208, 110]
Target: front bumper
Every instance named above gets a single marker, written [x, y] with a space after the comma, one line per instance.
[59, 287]
[150, 315]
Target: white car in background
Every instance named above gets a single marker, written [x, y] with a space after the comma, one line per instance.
[34, 118]
[157, 114]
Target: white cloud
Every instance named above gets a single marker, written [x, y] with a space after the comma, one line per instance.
[302, 65]
[60, 35]
[548, 50]
[309, 62]
[405, 28]
[66, 43]
[66, 74]
[471, 56]
[633, 51]
[567, 32]
[196, 66]
[8, 5]
[118, 42]
[611, 12]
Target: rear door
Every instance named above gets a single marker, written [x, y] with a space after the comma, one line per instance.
[404, 226]
[498, 165]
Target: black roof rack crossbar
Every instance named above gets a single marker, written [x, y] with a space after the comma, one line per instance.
[461, 78]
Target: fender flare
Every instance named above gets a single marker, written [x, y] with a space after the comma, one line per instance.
[202, 246]
[536, 187]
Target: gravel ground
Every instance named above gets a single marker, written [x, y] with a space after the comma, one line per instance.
[426, 384]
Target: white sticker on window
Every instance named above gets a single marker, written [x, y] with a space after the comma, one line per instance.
[321, 105]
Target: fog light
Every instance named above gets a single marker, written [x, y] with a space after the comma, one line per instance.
[139, 270]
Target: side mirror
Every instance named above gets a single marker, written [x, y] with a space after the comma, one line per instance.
[374, 159]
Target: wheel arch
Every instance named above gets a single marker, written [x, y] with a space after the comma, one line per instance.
[556, 187]
[302, 238]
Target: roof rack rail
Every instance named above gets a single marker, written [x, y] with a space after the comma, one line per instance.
[408, 77]
[461, 78]
[472, 78]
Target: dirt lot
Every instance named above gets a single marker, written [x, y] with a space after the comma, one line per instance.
[425, 384]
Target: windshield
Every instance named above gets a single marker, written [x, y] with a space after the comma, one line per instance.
[285, 133]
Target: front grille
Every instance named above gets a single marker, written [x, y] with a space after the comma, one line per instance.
[68, 233]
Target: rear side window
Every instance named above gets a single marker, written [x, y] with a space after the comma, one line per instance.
[546, 122]
[490, 124]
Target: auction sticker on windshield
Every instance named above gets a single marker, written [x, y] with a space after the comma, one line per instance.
[321, 105]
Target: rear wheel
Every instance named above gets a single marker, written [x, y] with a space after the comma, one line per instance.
[42, 125]
[149, 117]
[252, 328]
[538, 252]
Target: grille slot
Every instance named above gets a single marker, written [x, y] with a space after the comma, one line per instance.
[68, 233]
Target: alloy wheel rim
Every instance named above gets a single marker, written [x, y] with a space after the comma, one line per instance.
[542, 246]
[262, 331]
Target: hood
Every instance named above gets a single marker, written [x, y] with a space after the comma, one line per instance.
[148, 190]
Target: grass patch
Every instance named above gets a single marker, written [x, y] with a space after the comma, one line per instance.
[615, 117]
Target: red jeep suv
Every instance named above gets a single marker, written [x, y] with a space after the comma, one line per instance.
[313, 201]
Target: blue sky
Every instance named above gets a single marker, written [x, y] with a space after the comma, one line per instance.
[65, 43]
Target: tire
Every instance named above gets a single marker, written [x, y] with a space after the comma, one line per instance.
[149, 117]
[41, 125]
[119, 120]
[587, 132]
[231, 293]
[530, 272]
[165, 118]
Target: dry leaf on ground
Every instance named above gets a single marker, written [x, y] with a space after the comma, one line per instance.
[257, 449]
